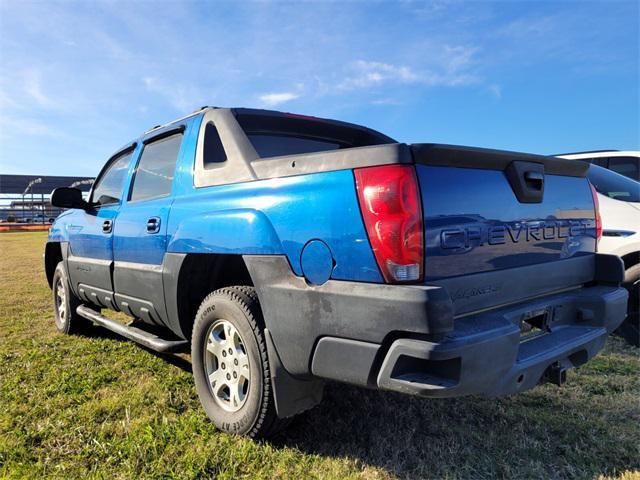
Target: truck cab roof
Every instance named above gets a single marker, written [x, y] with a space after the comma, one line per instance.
[261, 120]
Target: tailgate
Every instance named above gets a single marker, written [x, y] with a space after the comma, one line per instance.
[487, 210]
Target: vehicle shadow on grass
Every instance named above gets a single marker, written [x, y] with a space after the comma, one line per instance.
[96, 331]
[588, 428]
[545, 433]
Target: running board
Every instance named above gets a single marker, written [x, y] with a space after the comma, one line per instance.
[138, 335]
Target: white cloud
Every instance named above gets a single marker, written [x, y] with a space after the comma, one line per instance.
[386, 101]
[445, 66]
[184, 98]
[458, 57]
[30, 127]
[33, 88]
[376, 73]
[273, 99]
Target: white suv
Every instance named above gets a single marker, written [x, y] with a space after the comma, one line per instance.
[619, 199]
[625, 163]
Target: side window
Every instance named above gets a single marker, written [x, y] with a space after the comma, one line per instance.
[627, 166]
[108, 188]
[155, 170]
[213, 153]
[600, 161]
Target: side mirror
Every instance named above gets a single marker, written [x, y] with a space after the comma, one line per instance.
[66, 197]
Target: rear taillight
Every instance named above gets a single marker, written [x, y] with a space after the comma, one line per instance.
[596, 205]
[390, 204]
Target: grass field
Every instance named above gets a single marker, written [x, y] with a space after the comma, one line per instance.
[96, 406]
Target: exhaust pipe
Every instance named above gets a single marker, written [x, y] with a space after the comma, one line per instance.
[556, 374]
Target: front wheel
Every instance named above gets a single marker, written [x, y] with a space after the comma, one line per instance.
[65, 303]
[230, 364]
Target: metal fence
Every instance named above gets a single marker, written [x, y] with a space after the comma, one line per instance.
[33, 208]
[26, 199]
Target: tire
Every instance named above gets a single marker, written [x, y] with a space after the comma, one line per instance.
[630, 328]
[230, 363]
[65, 303]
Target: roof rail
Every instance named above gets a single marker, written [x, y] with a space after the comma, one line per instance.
[178, 119]
[587, 151]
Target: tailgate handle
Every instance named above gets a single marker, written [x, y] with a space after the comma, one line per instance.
[535, 180]
[526, 180]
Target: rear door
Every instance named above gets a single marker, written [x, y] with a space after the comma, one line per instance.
[140, 235]
[91, 233]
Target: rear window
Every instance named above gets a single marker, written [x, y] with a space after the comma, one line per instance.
[614, 185]
[285, 134]
[278, 145]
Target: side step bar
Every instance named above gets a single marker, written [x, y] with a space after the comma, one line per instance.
[138, 335]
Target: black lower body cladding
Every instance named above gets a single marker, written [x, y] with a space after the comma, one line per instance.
[298, 314]
[408, 339]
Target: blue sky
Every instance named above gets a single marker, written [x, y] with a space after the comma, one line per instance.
[78, 80]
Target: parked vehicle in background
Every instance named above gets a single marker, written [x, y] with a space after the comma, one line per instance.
[619, 199]
[287, 250]
[625, 163]
[39, 218]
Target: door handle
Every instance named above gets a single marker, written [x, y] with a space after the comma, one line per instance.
[107, 226]
[153, 225]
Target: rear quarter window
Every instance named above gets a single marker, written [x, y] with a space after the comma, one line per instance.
[213, 150]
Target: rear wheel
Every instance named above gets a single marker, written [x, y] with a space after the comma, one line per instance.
[230, 364]
[65, 303]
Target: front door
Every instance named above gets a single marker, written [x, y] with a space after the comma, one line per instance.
[90, 255]
[140, 234]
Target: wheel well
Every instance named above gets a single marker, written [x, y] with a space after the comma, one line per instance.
[631, 263]
[52, 256]
[200, 274]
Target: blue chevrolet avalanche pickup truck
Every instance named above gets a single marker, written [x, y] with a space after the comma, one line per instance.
[288, 250]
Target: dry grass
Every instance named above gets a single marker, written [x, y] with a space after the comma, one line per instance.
[101, 407]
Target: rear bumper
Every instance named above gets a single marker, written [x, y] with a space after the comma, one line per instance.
[416, 339]
[486, 354]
